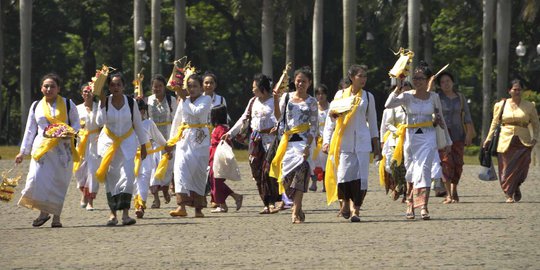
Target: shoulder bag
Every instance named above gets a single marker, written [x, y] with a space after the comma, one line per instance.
[497, 133]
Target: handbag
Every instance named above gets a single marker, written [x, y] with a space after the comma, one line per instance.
[485, 158]
[496, 133]
[271, 153]
[245, 131]
[440, 131]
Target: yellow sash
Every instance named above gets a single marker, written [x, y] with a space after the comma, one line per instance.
[81, 147]
[60, 116]
[163, 123]
[149, 151]
[330, 179]
[164, 161]
[318, 147]
[276, 166]
[400, 133]
[109, 154]
[382, 163]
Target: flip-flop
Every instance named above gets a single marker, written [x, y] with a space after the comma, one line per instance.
[112, 222]
[56, 224]
[40, 221]
[128, 221]
[239, 202]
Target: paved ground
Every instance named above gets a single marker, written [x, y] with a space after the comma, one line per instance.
[480, 232]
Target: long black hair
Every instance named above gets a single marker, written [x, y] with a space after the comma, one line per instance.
[218, 115]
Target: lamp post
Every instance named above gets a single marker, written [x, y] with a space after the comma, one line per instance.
[168, 46]
[141, 47]
[520, 52]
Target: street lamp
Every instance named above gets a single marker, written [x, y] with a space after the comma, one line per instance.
[521, 49]
[167, 46]
[141, 44]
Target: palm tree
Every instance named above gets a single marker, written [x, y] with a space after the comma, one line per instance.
[179, 28]
[25, 16]
[317, 41]
[156, 35]
[413, 12]
[504, 20]
[267, 37]
[349, 30]
[138, 31]
[487, 64]
[290, 37]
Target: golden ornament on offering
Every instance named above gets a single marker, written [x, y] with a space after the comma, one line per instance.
[402, 67]
[99, 80]
[180, 74]
[137, 83]
[59, 130]
[283, 83]
[342, 105]
[8, 185]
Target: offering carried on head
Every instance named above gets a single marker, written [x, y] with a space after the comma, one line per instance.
[59, 130]
[402, 67]
[180, 74]
[137, 84]
[282, 84]
[99, 80]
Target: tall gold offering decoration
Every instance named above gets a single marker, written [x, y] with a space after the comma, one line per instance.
[99, 80]
[283, 83]
[182, 69]
[402, 67]
[8, 185]
[137, 83]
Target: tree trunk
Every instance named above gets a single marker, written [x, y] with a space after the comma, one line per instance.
[349, 31]
[138, 31]
[428, 35]
[156, 36]
[504, 20]
[1, 66]
[290, 39]
[317, 41]
[413, 12]
[25, 16]
[487, 65]
[179, 28]
[267, 37]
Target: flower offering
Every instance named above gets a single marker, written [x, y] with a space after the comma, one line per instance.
[59, 130]
[402, 67]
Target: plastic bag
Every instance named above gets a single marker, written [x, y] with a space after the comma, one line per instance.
[487, 174]
[225, 165]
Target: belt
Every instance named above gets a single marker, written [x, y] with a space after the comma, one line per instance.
[523, 125]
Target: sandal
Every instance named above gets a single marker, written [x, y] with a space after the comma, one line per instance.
[264, 211]
[355, 218]
[139, 212]
[40, 221]
[425, 214]
[112, 222]
[178, 213]
[128, 221]
[517, 195]
[219, 209]
[156, 204]
[510, 200]
[447, 200]
[239, 201]
[410, 211]
[56, 224]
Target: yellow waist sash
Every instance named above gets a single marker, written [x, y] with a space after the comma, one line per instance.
[163, 123]
[81, 147]
[164, 161]
[330, 179]
[318, 147]
[400, 133]
[276, 166]
[109, 154]
[149, 151]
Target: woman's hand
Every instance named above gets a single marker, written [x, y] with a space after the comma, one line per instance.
[102, 99]
[169, 148]
[324, 148]
[273, 131]
[182, 93]
[486, 144]
[19, 158]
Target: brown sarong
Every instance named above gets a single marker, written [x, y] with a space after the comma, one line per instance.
[297, 180]
[419, 197]
[192, 199]
[452, 163]
[266, 185]
[514, 166]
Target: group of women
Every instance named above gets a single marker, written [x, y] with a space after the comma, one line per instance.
[294, 138]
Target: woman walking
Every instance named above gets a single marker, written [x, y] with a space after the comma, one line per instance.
[299, 127]
[515, 141]
[417, 140]
[161, 109]
[51, 165]
[88, 163]
[459, 123]
[259, 115]
[349, 137]
[117, 145]
[190, 133]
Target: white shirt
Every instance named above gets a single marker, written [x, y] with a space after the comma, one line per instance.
[360, 130]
